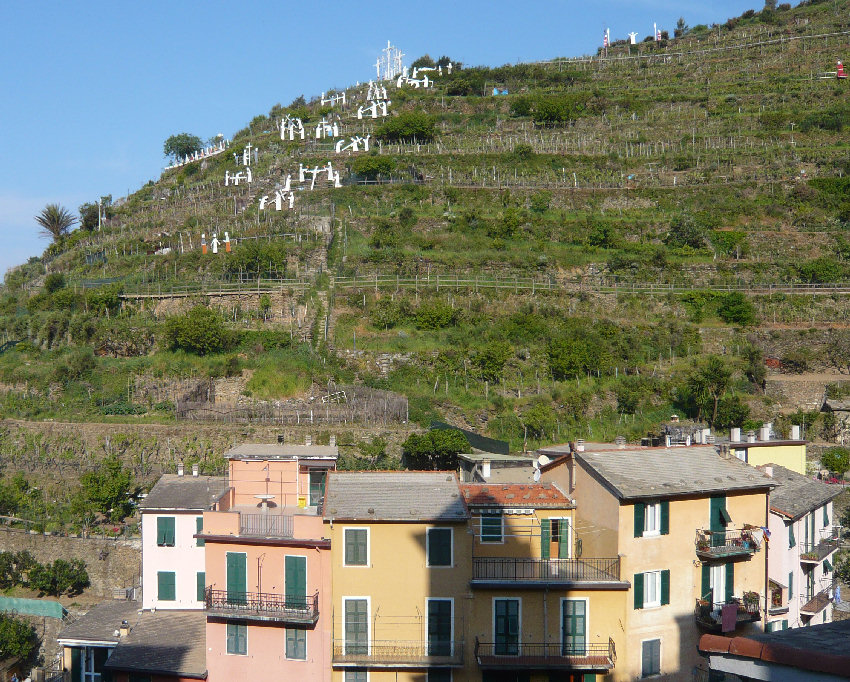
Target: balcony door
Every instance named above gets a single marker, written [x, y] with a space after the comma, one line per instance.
[439, 627]
[573, 627]
[237, 577]
[317, 485]
[356, 626]
[295, 581]
[718, 585]
[506, 627]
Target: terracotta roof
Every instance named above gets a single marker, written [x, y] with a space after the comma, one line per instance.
[537, 495]
[816, 648]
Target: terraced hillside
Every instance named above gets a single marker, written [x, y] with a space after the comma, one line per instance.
[561, 261]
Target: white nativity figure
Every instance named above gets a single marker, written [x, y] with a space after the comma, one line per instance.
[633, 38]
[214, 243]
[325, 129]
[290, 127]
[373, 109]
[353, 145]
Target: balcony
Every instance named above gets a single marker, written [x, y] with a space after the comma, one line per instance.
[724, 544]
[266, 525]
[710, 618]
[516, 572]
[546, 656]
[813, 604]
[263, 606]
[397, 654]
[813, 553]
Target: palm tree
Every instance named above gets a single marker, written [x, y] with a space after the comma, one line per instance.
[55, 221]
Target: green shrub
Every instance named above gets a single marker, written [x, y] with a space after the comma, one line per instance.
[17, 638]
[437, 449]
[407, 127]
[372, 167]
[200, 331]
[735, 308]
[836, 460]
[54, 282]
[435, 315]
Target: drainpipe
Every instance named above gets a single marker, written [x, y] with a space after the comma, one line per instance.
[766, 579]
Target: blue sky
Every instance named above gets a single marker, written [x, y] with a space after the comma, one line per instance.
[91, 89]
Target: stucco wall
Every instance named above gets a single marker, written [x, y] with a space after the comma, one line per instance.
[185, 559]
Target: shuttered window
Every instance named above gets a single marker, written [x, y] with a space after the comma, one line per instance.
[356, 675]
[491, 527]
[825, 515]
[296, 644]
[665, 517]
[165, 584]
[545, 537]
[199, 527]
[651, 658]
[792, 541]
[165, 531]
[237, 638]
[651, 589]
[640, 513]
[439, 546]
[201, 579]
[356, 626]
[356, 547]
[790, 585]
[439, 675]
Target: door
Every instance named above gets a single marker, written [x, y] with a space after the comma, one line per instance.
[573, 627]
[506, 627]
[718, 585]
[439, 627]
[810, 584]
[295, 582]
[356, 626]
[717, 524]
[317, 485]
[237, 578]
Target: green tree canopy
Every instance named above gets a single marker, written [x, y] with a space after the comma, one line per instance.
[107, 489]
[178, 146]
[408, 126]
[200, 331]
[17, 638]
[437, 449]
[424, 60]
[836, 459]
[707, 385]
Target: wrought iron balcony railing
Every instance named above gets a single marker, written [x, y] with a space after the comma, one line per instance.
[263, 606]
[711, 544]
[520, 570]
[546, 656]
[266, 525]
[710, 616]
[396, 653]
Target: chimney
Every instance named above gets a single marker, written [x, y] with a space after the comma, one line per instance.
[485, 468]
[751, 436]
[769, 471]
[620, 441]
[333, 441]
[195, 470]
[179, 468]
[124, 630]
[764, 432]
[308, 439]
[580, 445]
[735, 435]
[795, 432]
[667, 441]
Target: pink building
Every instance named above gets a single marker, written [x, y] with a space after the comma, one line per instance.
[268, 569]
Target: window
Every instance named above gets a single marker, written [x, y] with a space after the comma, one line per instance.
[506, 627]
[651, 589]
[792, 541]
[165, 586]
[440, 627]
[199, 528]
[356, 614]
[165, 531]
[652, 518]
[296, 644]
[356, 675]
[573, 627]
[650, 658]
[439, 541]
[237, 638]
[790, 585]
[491, 527]
[317, 486]
[201, 578]
[356, 547]
[825, 515]
[439, 675]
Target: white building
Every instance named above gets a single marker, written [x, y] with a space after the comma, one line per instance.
[803, 541]
[172, 559]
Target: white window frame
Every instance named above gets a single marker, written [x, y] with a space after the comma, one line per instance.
[427, 611]
[368, 622]
[586, 617]
[451, 547]
[501, 541]
[655, 576]
[562, 519]
[660, 658]
[368, 546]
[519, 619]
[306, 645]
[652, 510]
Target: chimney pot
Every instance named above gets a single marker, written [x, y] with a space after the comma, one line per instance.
[195, 470]
[795, 432]
[333, 441]
[769, 471]
[180, 468]
[308, 439]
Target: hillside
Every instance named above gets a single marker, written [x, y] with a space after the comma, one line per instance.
[560, 261]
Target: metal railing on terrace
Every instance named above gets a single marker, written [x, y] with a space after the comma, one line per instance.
[725, 543]
[546, 655]
[828, 542]
[266, 525]
[263, 606]
[510, 569]
[397, 653]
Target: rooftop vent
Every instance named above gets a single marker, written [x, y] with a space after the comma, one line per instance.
[735, 435]
[195, 470]
[580, 445]
[795, 432]
[180, 468]
[308, 439]
[751, 436]
[333, 441]
[620, 442]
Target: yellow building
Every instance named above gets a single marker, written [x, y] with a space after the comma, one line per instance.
[433, 581]
[686, 523]
[758, 449]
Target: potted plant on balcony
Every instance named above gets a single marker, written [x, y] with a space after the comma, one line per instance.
[750, 600]
[811, 556]
[703, 543]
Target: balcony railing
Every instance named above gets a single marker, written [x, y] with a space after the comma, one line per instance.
[516, 570]
[263, 606]
[815, 603]
[815, 552]
[711, 617]
[711, 544]
[266, 525]
[546, 656]
[397, 654]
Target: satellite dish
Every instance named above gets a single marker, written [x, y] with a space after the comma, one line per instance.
[543, 460]
[536, 475]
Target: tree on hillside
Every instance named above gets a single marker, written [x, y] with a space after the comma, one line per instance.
[437, 449]
[707, 385]
[17, 638]
[55, 221]
[836, 460]
[424, 60]
[178, 146]
[681, 28]
[200, 331]
[107, 488]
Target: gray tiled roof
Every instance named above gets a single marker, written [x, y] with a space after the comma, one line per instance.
[795, 494]
[280, 451]
[101, 621]
[666, 472]
[183, 492]
[826, 638]
[164, 642]
[394, 496]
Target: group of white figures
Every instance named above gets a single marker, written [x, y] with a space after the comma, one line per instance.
[204, 153]
[215, 243]
[250, 153]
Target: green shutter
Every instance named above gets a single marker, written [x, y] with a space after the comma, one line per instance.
[790, 584]
[545, 537]
[827, 567]
[564, 539]
[237, 577]
[165, 531]
[665, 517]
[825, 515]
[355, 547]
[716, 520]
[792, 541]
[202, 585]
[706, 582]
[589, 677]
[165, 586]
[730, 580]
[665, 587]
[637, 585]
[199, 528]
[784, 624]
[76, 672]
[295, 581]
[439, 546]
[639, 519]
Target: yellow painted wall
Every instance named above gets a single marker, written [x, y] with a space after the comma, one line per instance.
[521, 534]
[792, 457]
[597, 515]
